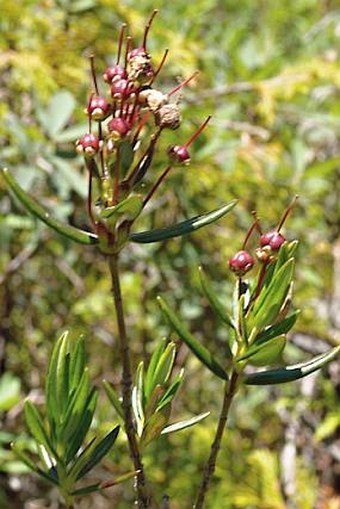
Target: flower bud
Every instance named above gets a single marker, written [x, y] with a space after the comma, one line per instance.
[241, 263]
[122, 89]
[114, 73]
[88, 145]
[98, 108]
[179, 154]
[273, 239]
[118, 128]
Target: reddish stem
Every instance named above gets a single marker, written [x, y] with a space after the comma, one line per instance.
[116, 183]
[120, 43]
[147, 28]
[183, 84]
[286, 213]
[158, 70]
[198, 132]
[93, 73]
[156, 185]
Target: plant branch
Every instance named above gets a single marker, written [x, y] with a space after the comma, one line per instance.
[229, 393]
[142, 496]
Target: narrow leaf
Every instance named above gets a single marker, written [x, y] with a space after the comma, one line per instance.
[101, 449]
[32, 465]
[291, 373]
[182, 228]
[86, 490]
[137, 399]
[80, 236]
[213, 300]
[165, 365]
[149, 386]
[199, 350]
[265, 353]
[277, 329]
[77, 365]
[36, 426]
[131, 207]
[177, 426]
[154, 425]
[112, 395]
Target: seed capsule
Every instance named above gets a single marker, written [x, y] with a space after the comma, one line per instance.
[273, 239]
[98, 108]
[114, 73]
[168, 116]
[118, 128]
[88, 145]
[179, 154]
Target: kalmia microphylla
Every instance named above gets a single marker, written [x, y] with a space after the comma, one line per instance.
[129, 119]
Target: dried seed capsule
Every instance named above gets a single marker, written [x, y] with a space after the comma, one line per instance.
[154, 99]
[241, 263]
[88, 145]
[168, 116]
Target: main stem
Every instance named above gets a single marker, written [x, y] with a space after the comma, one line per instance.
[229, 393]
[142, 497]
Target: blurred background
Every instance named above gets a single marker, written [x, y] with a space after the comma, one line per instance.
[270, 77]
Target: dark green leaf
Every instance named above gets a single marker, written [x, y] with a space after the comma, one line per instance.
[171, 391]
[154, 425]
[149, 385]
[265, 353]
[99, 451]
[199, 350]
[291, 373]
[165, 365]
[182, 228]
[32, 465]
[86, 490]
[77, 365]
[38, 211]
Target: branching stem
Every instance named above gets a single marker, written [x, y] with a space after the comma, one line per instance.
[142, 496]
[229, 393]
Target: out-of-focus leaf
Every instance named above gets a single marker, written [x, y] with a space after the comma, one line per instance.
[195, 346]
[182, 228]
[9, 391]
[58, 113]
[291, 373]
[177, 426]
[79, 6]
[38, 211]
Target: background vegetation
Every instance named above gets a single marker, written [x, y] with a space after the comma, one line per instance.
[270, 76]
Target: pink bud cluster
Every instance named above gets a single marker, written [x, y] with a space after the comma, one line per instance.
[269, 244]
[131, 111]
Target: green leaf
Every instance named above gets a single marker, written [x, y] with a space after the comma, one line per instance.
[213, 300]
[53, 410]
[177, 426]
[164, 366]
[182, 228]
[126, 155]
[131, 207]
[99, 451]
[86, 490]
[277, 329]
[77, 365]
[154, 425]
[36, 427]
[149, 385]
[291, 373]
[271, 298]
[114, 399]
[171, 391]
[84, 425]
[80, 236]
[32, 465]
[265, 353]
[62, 376]
[75, 409]
[199, 350]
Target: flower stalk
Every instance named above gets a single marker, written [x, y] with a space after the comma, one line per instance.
[142, 500]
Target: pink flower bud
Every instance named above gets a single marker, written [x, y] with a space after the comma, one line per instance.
[119, 128]
[114, 73]
[179, 154]
[241, 263]
[273, 239]
[88, 145]
[98, 108]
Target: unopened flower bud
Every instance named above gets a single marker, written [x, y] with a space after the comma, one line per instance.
[98, 108]
[179, 154]
[88, 145]
[114, 73]
[118, 128]
[168, 116]
[122, 89]
[273, 239]
[241, 263]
